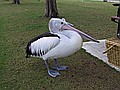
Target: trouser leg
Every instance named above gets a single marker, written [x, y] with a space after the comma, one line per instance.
[118, 32]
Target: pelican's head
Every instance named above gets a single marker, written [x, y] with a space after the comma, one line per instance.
[56, 24]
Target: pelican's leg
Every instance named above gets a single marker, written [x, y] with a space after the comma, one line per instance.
[52, 73]
[58, 67]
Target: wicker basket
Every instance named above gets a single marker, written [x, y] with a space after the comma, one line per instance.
[113, 51]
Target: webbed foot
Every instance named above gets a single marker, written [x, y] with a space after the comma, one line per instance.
[53, 73]
[60, 67]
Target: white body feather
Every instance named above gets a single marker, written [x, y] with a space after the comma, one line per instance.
[54, 47]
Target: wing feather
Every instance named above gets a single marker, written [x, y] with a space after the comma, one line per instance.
[43, 45]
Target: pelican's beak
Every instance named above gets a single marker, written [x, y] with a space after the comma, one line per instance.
[70, 24]
[84, 35]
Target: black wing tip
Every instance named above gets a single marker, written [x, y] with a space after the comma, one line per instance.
[27, 56]
[28, 52]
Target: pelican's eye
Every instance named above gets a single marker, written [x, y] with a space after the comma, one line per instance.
[61, 22]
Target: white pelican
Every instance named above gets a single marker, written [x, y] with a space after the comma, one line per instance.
[62, 41]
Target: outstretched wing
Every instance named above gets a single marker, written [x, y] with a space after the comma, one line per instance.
[40, 46]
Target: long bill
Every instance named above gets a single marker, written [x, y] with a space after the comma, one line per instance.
[84, 35]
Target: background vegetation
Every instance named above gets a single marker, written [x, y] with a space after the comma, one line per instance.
[20, 23]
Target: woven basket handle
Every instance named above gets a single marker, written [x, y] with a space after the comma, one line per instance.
[109, 48]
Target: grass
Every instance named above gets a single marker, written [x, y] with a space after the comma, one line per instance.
[20, 23]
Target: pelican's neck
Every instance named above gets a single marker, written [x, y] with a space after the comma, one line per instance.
[73, 39]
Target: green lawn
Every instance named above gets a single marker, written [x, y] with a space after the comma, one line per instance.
[20, 23]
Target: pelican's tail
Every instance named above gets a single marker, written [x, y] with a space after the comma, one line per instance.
[28, 52]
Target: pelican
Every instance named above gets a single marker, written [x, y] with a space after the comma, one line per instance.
[62, 40]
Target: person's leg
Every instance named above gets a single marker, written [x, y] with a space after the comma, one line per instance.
[118, 32]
